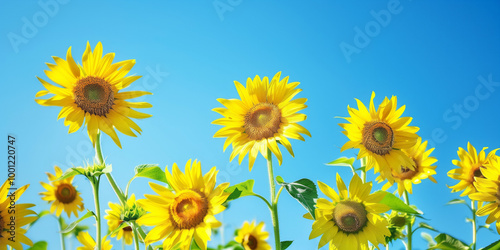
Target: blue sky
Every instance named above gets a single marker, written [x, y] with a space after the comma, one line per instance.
[441, 60]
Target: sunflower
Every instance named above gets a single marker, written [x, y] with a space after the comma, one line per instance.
[90, 93]
[9, 236]
[265, 116]
[352, 218]
[488, 190]
[471, 167]
[380, 134]
[423, 168]
[116, 216]
[253, 237]
[187, 212]
[89, 243]
[62, 194]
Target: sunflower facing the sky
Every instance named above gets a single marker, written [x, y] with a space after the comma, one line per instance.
[265, 116]
[62, 194]
[488, 190]
[471, 167]
[115, 217]
[253, 237]
[423, 168]
[187, 212]
[380, 135]
[21, 218]
[90, 93]
[353, 217]
[89, 244]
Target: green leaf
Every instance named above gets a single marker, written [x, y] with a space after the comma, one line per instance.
[41, 245]
[493, 246]
[427, 237]
[397, 204]
[456, 201]
[239, 190]
[304, 191]
[342, 162]
[426, 226]
[232, 245]
[75, 223]
[286, 244]
[71, 172]
[448, 242]
[120, 227]
[151, 171]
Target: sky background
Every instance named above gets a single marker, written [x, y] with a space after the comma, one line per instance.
[436, 57]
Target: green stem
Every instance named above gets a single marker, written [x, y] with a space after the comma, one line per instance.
[274, 203]
[363, 169]
[95, 188]
[136, 235]
[111, 180]
[474, 229]
[63, 245]
[410, 232]
[264, 199]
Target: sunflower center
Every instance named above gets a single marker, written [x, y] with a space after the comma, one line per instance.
[94, 95]
[350, 216]
[398, 221]
[250, 242]
[262, 121]
[188, 209]
[477, 172]
[1, 225]
[378, 137]
[65, 193]
[127, 229]
[407, 173]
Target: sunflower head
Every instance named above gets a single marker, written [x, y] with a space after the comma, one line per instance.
[187, 211]
[422, 169]
[471, 167]
[351, 218]
[252, 236]
[89, 244]
[264, 116]
[488, 191]
[24, 216]
[397, 222]
[117, 215]
[90, 93]
[62, 194]
[380, 134]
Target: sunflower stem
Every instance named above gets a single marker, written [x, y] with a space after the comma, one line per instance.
[474, 229]
[274, 202]
[95, 188]
[136, 235]
[410, 232]
[363, 169]
[100, 160]
[60, 220]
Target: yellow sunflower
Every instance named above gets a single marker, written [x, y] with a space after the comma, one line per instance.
[89, 243]
[423, 168]
[90, 93]
[471, 166]
[187, 212]
[265, 116]
[380, 135]
[253, 237]
[9, 235]
[62, 194]
[488, 190]
[352, 219]
[115, 217]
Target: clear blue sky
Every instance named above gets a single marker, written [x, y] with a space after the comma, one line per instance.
[431, 54]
